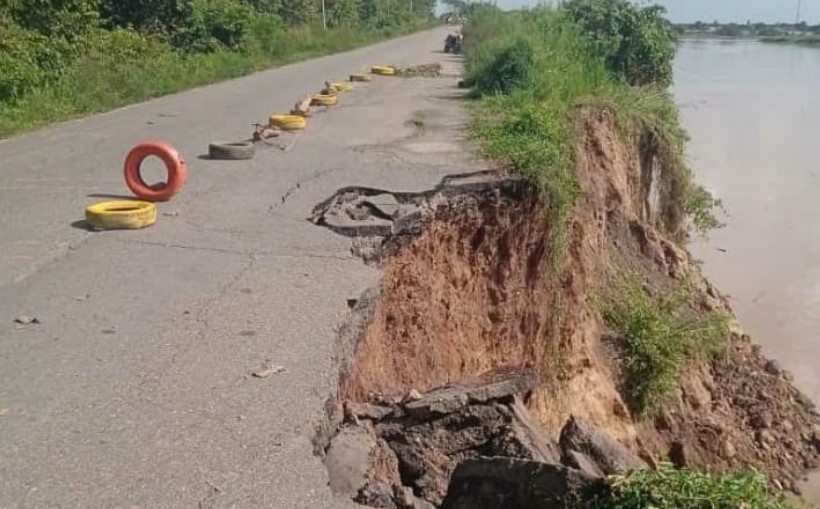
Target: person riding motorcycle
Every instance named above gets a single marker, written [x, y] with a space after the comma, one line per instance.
[453, 43]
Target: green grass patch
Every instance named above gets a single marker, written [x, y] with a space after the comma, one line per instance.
[669, 488]
[660, 336]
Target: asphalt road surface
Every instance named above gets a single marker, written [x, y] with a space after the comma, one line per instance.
[134, 391]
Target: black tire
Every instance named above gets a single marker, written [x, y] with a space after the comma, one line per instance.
[231, 150]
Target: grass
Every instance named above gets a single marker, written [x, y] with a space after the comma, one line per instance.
[534, 72]
[668, 488]
[101, 81]
[660, 336]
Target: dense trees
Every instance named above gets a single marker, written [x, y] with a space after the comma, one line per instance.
[41, 39]
[635, 40]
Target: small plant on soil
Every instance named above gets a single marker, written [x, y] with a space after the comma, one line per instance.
[660, 335]
[701, 207]
[669, 488]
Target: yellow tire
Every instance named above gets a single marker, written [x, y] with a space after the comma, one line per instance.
[121, 215]
[324, 100]
[288, 122]
[383, 70]
[360, 77]
[342, 86]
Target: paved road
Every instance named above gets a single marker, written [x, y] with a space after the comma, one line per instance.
[134, 389]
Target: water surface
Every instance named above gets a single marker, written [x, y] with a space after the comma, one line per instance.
[753, 113]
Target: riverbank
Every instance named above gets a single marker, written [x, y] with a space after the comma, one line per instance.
[807, 40]
[551, 318]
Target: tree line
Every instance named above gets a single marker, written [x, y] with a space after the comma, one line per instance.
[40, 40]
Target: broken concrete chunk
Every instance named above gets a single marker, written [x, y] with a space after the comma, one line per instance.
[505, 483]
[528, 432]
[405, 499]
[611, 456]
[582, 462]
[348, 460]
[376, 495]
[385, 203]
[367, 411]
[267, 369]
[356, 458]
[454, 397]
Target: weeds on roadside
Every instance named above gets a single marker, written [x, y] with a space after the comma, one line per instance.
[669, 488]
[534, 71]
[660, 336]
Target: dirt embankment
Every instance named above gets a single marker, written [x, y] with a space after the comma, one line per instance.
[468, 291]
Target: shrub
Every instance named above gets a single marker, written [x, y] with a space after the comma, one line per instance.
[508, 69]
[668, 488]
[213, 25]
[29, 59]
[636, 42]
[660, 336]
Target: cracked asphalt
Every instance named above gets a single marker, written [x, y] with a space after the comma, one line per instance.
[135, 391]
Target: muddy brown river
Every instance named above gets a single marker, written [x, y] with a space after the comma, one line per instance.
[753, 113]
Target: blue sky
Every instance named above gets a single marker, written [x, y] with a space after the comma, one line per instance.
[723, 10]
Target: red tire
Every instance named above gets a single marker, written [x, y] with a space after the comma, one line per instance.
[174, 164]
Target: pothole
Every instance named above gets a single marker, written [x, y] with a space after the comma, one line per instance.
[379, 220]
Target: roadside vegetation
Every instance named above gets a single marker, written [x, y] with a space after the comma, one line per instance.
[661, 335]
[535, 70]
[670, 488]
[65, 58]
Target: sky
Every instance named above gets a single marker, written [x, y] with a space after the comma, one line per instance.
[683, 11]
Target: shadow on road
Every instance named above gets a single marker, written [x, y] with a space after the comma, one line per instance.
[82, 225]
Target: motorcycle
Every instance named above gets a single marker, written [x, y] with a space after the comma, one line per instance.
[452, 44]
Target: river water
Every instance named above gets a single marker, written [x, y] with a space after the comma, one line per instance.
[753, 113]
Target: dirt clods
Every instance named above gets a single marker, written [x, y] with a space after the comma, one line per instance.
[402, 451]
[476, 347]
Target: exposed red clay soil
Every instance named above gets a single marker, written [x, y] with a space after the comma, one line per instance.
[472, 293]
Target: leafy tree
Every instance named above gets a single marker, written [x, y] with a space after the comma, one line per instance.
[267, 6]
[214, 24]
[152, 15]
[55, 18]
[342, 12]
[298, 12]
[368, 10]
[636, 42]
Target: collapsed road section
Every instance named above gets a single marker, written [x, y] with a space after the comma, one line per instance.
[480, 375]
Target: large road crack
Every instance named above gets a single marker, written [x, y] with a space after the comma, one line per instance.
[292, 189]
